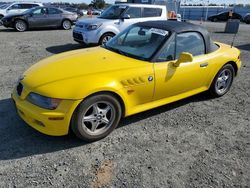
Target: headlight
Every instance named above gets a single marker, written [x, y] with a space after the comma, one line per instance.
[92, 26]
[43, 102]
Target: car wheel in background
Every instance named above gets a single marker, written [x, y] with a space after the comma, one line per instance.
[66, 24]
[222, 81]
[20, 25]
[96, 117]
[106, 37]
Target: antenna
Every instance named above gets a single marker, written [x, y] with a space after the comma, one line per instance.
[233, 40]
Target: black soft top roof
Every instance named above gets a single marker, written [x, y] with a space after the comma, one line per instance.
[180, 27]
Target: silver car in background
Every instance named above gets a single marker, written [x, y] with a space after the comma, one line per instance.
[16, 8]
[115, 19]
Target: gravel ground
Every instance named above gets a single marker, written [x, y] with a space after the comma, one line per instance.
[196, 142]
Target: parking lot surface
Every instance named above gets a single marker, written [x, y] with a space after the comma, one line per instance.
[196, 142]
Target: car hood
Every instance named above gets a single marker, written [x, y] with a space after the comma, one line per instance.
[14, 15]
[75, 64]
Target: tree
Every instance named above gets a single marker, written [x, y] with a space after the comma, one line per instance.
[99, 4]
[83, 6]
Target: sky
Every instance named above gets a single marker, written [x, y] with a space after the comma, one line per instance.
[112, 1]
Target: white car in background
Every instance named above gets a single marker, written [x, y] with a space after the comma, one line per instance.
[115, 19]
[16, 8]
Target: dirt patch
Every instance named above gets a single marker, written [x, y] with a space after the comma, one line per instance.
[104, 174]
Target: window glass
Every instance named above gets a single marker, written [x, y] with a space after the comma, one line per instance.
[152, 12]
[54, 11]
[138, 41]
[113, 12]
[26, 6]
[35, 5]
[39, 11]
[191, 42]
[134, 12]
[168, 52]
[15, 6]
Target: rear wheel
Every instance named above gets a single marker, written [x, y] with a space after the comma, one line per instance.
[96, 117]
[20, 25]
[222, 81]
[106, 37]
[66, 24]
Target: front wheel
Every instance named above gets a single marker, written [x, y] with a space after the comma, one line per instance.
[222, 81]
[106, 37]
[96, 117]
[20, 25]
[66, 24]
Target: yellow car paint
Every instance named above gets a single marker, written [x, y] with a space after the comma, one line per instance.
[140, 85]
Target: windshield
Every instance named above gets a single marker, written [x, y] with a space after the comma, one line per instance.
[113, 12]
[139, 42]
[4, 6]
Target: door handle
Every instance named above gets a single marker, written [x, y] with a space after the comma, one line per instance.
[204, 64]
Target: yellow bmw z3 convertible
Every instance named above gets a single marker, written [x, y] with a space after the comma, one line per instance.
[147, 65]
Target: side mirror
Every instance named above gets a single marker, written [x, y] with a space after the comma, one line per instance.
[126, 16]
[184, 58]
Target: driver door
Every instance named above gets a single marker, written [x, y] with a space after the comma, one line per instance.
[39, 18]
[171, 81]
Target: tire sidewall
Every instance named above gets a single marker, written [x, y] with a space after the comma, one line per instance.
[63, 25]
[25, 24]
[84, 106]
[105, 35]
[213, 90]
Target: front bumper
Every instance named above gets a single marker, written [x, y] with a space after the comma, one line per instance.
[6, 23]
[49, 122]
[86, 37]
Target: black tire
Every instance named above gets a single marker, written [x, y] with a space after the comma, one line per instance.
[1, 16]
[66, 24]
[83, 128]
[20, 25]
[105, 37]
[217, 89]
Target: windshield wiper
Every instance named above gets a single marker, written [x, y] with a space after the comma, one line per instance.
[123, 53]
[115, 50]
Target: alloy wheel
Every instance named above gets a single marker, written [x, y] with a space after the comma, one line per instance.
[20, 25]
[223, 81]
[98, 118]
[106, 39]
[66, 24]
